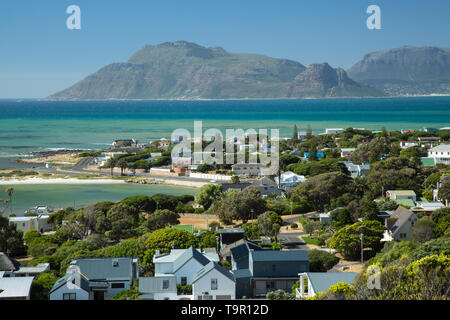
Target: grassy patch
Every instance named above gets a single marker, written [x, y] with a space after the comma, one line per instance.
[310, 240]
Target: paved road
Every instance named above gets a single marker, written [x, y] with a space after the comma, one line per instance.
[291, 241]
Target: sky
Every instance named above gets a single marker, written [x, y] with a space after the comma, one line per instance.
[39, 55]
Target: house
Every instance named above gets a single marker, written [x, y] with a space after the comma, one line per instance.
[96, 278]
[334, 130]
[408, 144]
[320, 282]
[259, 271]
[27, 223]
[428, 142]
[124, 143]
[347, 152]
[429, 129]
[245, 170]
[357, 170]
[302, 135]
[225, 252]
[158, 288]
[440, 153]
[181, 263]
[289, 179]
[267, 187]
[403, 197]
[214, 282]
[324, 218]
[15, 288]
[163, 144]
[32, 271]
[10, 267]
[230, 235]
[399, 225]
[428, 207]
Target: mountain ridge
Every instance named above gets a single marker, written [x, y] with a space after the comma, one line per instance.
[185, 70]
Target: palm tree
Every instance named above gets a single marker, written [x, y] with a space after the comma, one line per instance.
[10, 192]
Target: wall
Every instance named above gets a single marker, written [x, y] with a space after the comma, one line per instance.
[58, 294]
[210, 176]
[188, 270]
[225, 285]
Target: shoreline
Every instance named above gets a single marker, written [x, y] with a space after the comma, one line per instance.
[60, 181]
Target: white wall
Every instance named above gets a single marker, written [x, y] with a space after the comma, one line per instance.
[188, 270]
[58, 294]
[225, 285]
[210, 176]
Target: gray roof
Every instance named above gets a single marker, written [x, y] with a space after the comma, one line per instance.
[187, 255]
[242, 273]
[211, 266]
[105, 268]
[149, 285]
[243, 249]
[225, 251]
[7, 263]
[398, 218]
[321, 281]
[41, 267]
[15, 287]
[84, 283]
[231, 230]
[279, 255]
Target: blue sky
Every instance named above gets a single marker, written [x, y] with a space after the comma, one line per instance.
[39, 55]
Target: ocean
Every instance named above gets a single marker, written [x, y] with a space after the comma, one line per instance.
[38, 125]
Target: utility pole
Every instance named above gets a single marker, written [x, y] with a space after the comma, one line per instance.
[361, 236]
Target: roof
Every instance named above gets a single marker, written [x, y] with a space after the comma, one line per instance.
[105, 268]
[401, 216]
[83, 282]
[7, 263]
[188, 254]
[186, 227]
[279, 255]
[227, 249]
[441, 148]
[403, 192]
[241, 250]
[405, 202]
[428, 162]
[41, 267]
[264, 182]
[242, 273]
[321, 281]
[211, 266]
[155, 284]
[15, 287]
[231, 230]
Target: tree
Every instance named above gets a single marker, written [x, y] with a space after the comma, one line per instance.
[10, 238]
[122, 220]
[252, 231]
[111, 163]
[42, 284]
[308, 131]
[321, 261]
[141, 202]
[10, 192]
[340, 218]
[444, 191]
[310, 226]
[347, 239]
[162, 218]
[370, 210]
[235, 179]
[280, 295]
[423, 230]
[122, 163]
[208, 194]
[270, 223]
[240, 205]
[295, 134]
[208, 239]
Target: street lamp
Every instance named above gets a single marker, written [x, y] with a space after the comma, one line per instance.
[361, 236]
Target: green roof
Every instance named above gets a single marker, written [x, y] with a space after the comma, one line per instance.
[186, 227]
[406, 202]
[402, 192]
[427, 162]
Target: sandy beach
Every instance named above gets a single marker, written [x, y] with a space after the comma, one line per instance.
[60, 181]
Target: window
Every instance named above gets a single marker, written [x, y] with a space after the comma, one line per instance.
[183, 281]
[117, 285]
[165, 284]
[69, 296]
[214, 285]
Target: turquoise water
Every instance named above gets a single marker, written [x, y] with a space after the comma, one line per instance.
[33, 125]
[77, 195]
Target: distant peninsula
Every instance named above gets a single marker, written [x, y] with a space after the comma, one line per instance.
[187, 71]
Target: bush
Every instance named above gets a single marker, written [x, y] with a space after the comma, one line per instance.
[321, 261]
[294, 226]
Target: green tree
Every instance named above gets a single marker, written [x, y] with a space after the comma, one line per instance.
[10, 238]
[122, 220]
[141, 202]
[295, 134]
[347, 239]
[208, 194]
[161, 219]
[42, 284]
[444, 191]
[270, 223]
[321, 261]
[423, 230]
[10, 192]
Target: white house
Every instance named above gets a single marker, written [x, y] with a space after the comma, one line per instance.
[289, 179]
[401, 194]
[399, 225]
[158, 288]
[214, 282]
[357, 170]
[182, 263]
[96, 278]
[440, 153]
[334, 130]
[321, 281]
[16, 288]
[347, 152]
[28, 223]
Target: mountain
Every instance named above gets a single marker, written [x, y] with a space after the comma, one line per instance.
[405, 70]
[184, 70]
[321, 80]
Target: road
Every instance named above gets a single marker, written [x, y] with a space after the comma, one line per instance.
[291, 241]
